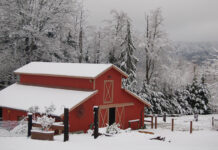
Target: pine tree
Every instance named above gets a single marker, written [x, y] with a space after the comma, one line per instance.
[199, 96]
[127, 61]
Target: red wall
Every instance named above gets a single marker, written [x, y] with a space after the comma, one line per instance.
[120, 96]
[81, 117]
[56, 81]
[12, 114]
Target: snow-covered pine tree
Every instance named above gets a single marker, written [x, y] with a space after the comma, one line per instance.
[127, 60]
[199, 96]
[160, 102]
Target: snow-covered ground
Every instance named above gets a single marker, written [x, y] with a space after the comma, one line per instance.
[202, 138]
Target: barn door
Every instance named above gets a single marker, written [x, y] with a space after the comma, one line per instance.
[120, 116]
[112, 115]
[108, 91]
[103, 117]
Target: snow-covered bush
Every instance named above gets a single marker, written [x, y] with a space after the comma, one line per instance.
[34, 110]
[45, 121]
[113, 129]
[21, 128]
[49, 110]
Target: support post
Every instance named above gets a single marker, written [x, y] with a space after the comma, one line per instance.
[172, 128]
[190, 127]
[164, 117]
[152, 122]
[30, 117]
[155, 122]
[66, 124]
[212, 121]
[196, 117]
[96, 108]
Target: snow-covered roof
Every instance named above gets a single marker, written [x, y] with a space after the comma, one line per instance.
[23, 97]
[78, 70]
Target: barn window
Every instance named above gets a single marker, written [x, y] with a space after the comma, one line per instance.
[0, 113]
[108, 91]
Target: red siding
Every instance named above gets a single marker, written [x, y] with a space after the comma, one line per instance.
[12, 114]
[81, 117]
[56, 81]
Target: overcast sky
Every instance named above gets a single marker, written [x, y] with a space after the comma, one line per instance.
[185, 20]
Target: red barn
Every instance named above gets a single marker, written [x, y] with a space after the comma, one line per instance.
[78, 87]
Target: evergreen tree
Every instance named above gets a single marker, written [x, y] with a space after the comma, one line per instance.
[127, 61]
[199, 96]
[111, 58]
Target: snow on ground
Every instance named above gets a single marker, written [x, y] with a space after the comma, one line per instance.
[203, 137]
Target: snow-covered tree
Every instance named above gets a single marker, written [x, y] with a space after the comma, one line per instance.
[199, 96]
[127, 61]
[115, 31]
[155, 40]
[45, 122]
[37, 30]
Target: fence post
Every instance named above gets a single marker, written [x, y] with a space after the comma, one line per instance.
[164, 117]
[152, 121]
[196, 117]
[96, 122]
[172, 128]
[155, 122]
[30, 117]
[190, 127]
[212, 121]
[66, 124]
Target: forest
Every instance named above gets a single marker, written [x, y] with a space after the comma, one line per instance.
[58, 31]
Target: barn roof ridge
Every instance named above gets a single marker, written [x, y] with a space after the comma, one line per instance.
[74, 70]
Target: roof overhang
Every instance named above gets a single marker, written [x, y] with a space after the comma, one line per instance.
[138, 98]
[22, 97]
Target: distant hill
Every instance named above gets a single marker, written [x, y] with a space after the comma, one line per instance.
[199, 53]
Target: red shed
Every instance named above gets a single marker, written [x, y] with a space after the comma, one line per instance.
[78, 87]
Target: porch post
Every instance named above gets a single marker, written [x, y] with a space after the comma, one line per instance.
[66, 124]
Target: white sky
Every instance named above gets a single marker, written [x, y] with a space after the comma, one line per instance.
[185, 20]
